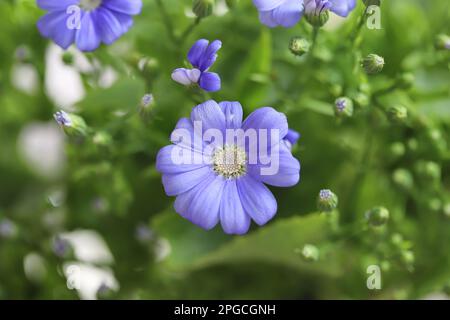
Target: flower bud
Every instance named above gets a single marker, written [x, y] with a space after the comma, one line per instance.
[405, 81]
[327, 201]
[203, 8]
[8, 229]
[403, 178]
[299, 46]
[397, 150]
[442, 42]
[343, 107]
[147, 101]
[372, 64]
[377, 216]
[362, 99]
[310, 253]
[397, 113]
[62, 248]
[72, 124]
[429, 171]
[318, 18]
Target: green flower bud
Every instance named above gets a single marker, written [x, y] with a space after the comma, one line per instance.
[397, 113]
[310, 253]
[343, 107]
[403, 178]
[327, 201]
[397, 150]
[405, 80]
[372, 64]
[72, 124]
[318, 19]
[68, 58]
[203, 8]
[362, 99]
[299, 46]
[377, 216]
[428, 171]
[442, 42]
[102, 138]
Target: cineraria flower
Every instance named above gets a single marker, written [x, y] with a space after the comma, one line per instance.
[201, 56]
[228, 184]
[287, 13]
[86, 23]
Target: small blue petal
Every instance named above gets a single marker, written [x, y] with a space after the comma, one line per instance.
[210, 81]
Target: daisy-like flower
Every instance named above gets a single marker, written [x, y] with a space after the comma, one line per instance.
[228, 184]
[287, 13]
[202, 56]
[87, 23]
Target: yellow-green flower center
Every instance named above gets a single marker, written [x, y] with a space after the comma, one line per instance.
[229, 161]
[89, 5]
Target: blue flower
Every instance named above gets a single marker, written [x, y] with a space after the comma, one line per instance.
[223, 181]
[287, 13]
[87, 23]
[201, 56]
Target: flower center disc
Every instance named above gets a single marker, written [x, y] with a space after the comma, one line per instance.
[89, 5]
[229, 161]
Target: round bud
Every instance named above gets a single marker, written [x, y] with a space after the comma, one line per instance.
[318, 19]
[310, 253]
[299, 46]
[403, 178]
[428, 170]
[397, 150]
[372, 64]
[377, 216]
[327, 201]
[397, 113]
[362, 99]
[203, 8]
[68, 58]
[343, 107]
[72, 124]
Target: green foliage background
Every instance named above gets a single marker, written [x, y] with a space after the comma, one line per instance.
[357, 158]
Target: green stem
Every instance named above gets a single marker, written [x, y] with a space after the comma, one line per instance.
[315, 34]
[167, 21]
[354, 35]
[189, 30]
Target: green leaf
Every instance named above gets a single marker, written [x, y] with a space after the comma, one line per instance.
[276, 243]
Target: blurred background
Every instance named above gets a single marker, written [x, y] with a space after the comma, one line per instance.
[85, 216]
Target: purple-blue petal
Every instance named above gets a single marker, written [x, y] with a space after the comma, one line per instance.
[88, 37]
[288, 14]
[130, 7]
[51, 5]
[267, 5]
[210, 115]
[54, 25]
[267, 118]
[169, 161]
[292, 137]
[178, 183]
[288, 173]
[233, 218]
[342, 7]
[210, 55]
[109, 26]
[233, 114]
[197, 51]
[210, 81]
[257, 200]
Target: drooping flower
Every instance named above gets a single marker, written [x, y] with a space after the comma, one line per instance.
[224, 179]
[87, 23]
[201, 56]
[287, 13]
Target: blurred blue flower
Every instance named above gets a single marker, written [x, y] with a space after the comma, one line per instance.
[201, 56]
[227, 186]
[287, 13]
[87, 23]
[62, 118]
